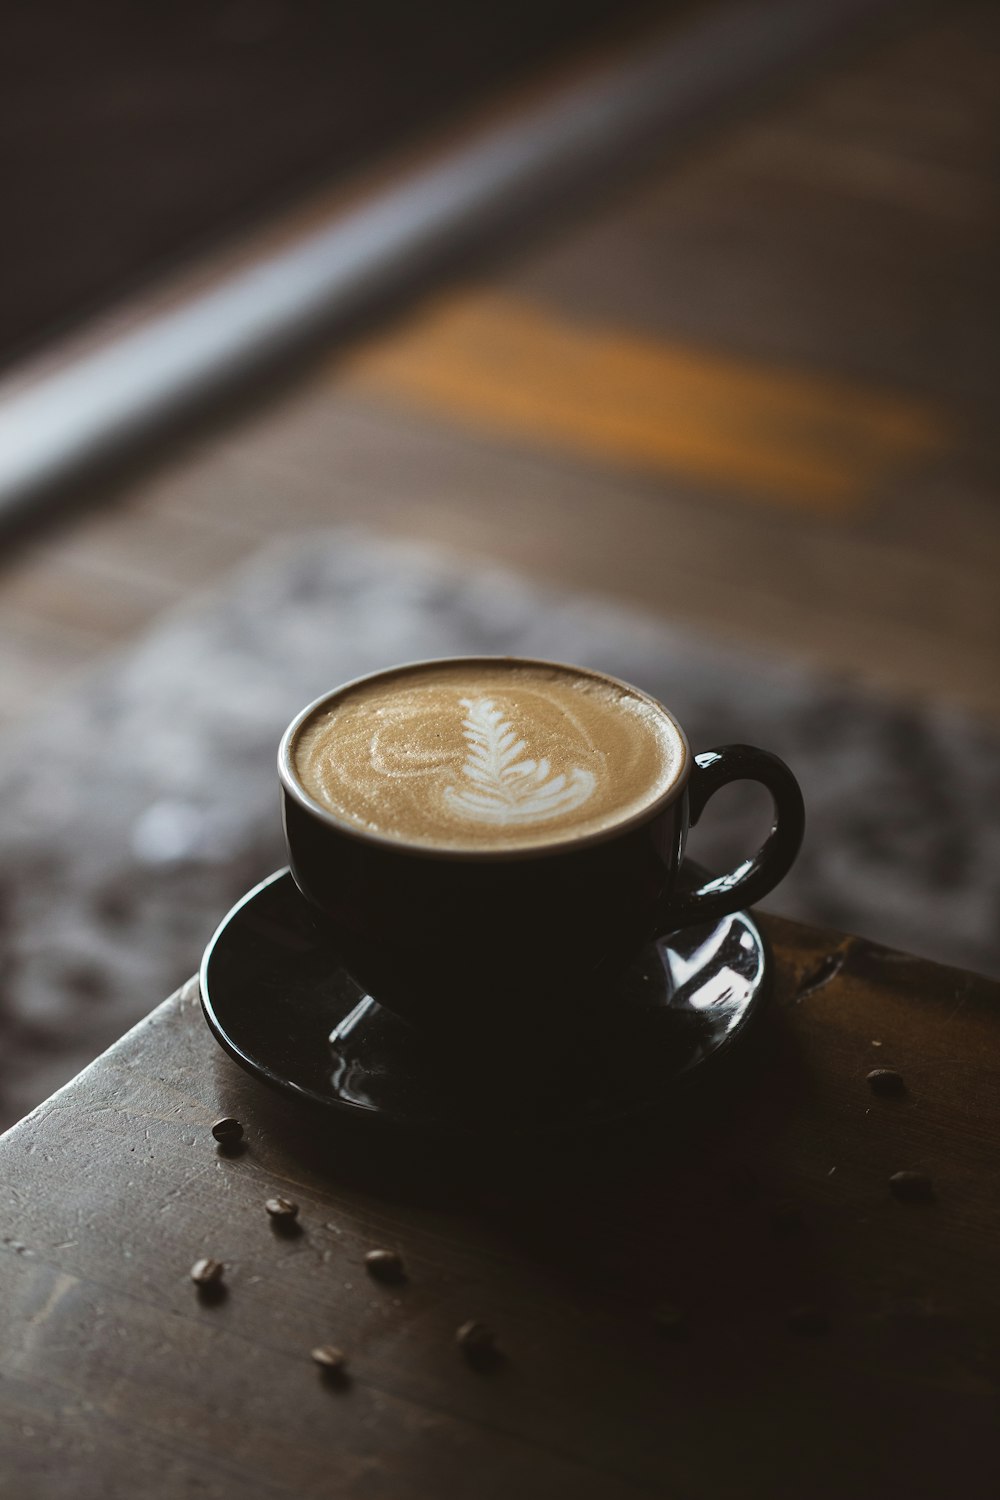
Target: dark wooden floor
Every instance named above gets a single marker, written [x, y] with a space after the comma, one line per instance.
[140, 134]
[755, 395]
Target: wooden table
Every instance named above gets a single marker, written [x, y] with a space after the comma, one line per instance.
[760, 1213]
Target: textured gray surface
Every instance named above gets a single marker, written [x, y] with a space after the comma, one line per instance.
[145, 803]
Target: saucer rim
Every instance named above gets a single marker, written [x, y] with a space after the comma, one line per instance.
[385, 1118]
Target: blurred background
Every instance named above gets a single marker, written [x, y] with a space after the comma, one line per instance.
[661, 337]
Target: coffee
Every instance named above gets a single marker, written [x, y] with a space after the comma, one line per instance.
[488, 755]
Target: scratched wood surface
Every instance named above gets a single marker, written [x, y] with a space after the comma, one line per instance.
[117, 1381]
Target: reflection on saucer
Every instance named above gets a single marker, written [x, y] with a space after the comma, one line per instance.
[721, 974]
[280, 1002]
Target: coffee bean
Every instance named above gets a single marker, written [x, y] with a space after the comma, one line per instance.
[385, 1265]
[886, 1081]
[282, 1210]
[808, 1321]
[331, 1360]
[911, 1187]
[478, 1343]
[207, 1272]
[228, 1131]
[670, 1322]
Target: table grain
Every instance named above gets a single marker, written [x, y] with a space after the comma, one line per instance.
[757, 1206]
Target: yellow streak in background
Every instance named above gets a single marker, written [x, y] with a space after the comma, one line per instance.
[505, 365]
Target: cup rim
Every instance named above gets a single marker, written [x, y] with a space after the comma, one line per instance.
[565, 845]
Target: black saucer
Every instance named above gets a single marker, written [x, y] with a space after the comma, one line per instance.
[278, 1000]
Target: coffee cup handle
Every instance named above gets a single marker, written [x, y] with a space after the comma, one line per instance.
[755, 877]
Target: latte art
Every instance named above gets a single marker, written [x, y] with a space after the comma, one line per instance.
[507, 788]
[487, 754]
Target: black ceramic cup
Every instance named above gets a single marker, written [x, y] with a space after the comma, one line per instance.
[466, 944]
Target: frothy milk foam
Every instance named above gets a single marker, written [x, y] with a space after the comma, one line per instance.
[487, 755]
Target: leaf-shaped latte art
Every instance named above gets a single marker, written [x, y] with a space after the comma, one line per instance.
[503, 787]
